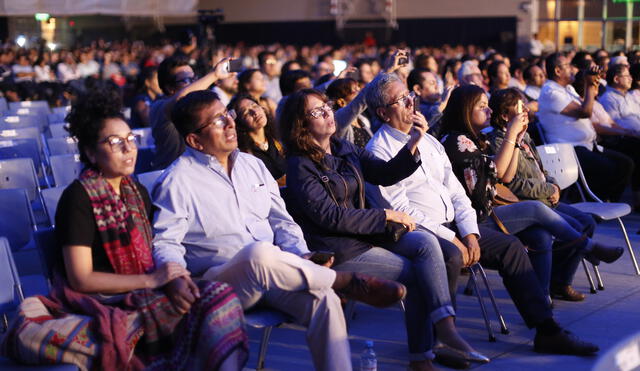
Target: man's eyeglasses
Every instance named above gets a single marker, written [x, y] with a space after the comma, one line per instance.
[322, 111]
[407, 100]
[117, 144]
[219, 121]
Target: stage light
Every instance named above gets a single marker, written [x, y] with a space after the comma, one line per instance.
[52, 46]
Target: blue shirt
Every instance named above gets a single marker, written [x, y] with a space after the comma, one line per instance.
[205, 217]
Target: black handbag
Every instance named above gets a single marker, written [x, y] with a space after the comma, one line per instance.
[393, 231]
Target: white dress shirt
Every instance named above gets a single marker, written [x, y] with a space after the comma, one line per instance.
[432, 195]
[558, 127]
[532, 92]
[205, 217]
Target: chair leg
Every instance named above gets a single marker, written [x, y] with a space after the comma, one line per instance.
[592, 286]
[598, 278]
[404, 310]
[503, 325]
[468, 290]
[626, 239]
[492, 337]
[262, 354]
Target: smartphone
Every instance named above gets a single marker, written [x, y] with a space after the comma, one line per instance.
[404, 59]
[519, 107]
[416, 104]
[234, 65]
[321, 257]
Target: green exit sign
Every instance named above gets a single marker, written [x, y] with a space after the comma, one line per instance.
[626, 1]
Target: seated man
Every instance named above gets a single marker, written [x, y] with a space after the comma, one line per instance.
[534, 76]
[565, 119]
[621, 106]
[434, 197]
[220, 214]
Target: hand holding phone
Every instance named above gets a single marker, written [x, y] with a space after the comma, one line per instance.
[234, 65]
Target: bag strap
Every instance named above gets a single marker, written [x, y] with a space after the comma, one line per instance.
[499, 222]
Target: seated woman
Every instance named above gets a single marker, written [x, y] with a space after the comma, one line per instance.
[257, 135]
[478, 169]
[252, 82]
[531, 182]
[106, 283]
[325, 195]
[342, 92]
[147, 91]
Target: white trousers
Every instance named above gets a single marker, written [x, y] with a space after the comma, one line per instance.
[296, 286]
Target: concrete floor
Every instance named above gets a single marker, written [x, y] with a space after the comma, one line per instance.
[604, 318]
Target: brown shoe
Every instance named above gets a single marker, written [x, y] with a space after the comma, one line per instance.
[377, 292]
[563, 342]
[566, 292]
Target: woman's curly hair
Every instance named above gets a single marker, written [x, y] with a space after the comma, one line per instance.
[87, 117]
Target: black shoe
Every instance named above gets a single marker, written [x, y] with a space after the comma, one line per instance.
[447, 358]
[563, 342]
[607, 254]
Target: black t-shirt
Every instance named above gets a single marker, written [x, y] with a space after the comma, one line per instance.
[76, 224]
[272, 158]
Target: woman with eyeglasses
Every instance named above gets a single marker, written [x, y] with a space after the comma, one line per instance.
[325, 195]
[107, 288]
[257, 135]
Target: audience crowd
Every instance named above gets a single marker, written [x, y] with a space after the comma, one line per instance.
[313, 175]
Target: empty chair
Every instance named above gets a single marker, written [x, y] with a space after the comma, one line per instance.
[146, 139]
[18, 148]
[24, 133]
[65, 168]
[16, 217]
[16, 122]
[10, 289]
[51, 196]
[64, 110]
[53, 118]
[560, 161]
[144, 161]
[62, 146]
[31, 106]
[19, 173]
[3, 105]
[148, 179]
[58, 130]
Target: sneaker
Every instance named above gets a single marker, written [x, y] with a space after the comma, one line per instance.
[607, 254]
[376, 292]
[566, 292]
[564, 342]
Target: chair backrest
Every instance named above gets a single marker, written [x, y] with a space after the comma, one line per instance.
[16, 217]
[58, 130]
[62, 146]
[24, 133]
[15, 148]
[48, 251]
[54, 118]
[3, 105]
[559, 160]
[51, 196]
[17, 122]
[10, 291]
[148, 179]
[144, 161]
[32, 106]
[146, 138]
[19, 173]
[65, 169]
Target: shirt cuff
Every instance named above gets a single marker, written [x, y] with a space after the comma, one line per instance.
[468, 228]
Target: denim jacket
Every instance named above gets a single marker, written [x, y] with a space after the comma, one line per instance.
[340, 225]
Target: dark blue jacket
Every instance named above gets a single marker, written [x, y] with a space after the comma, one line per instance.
[341, 227]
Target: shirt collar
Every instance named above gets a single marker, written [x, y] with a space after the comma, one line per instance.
[615, 91]
[209, 160]
[395, 133]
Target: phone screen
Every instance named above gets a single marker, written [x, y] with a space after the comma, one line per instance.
[338, 66]
[416, 104]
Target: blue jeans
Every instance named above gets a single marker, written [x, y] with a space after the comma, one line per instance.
[535, 224]
[417, 262]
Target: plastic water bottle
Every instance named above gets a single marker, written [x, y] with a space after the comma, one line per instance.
[368, 361]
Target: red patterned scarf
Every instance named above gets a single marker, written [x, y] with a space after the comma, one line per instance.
[122, 223]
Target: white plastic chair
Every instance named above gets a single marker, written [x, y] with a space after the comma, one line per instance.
[560, 161]
[65, 169]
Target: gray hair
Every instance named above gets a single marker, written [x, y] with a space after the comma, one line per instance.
[467, 69]
[377, 91]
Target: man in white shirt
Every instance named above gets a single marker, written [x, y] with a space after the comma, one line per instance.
[220, 214]
[564, 116]
[270, 68]
[434, 197]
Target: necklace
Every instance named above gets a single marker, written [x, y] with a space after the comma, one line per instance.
[263, 146]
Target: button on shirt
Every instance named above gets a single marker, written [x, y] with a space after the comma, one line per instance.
[432, 195]
[622, 107]
[560, 128]
[205, 217]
